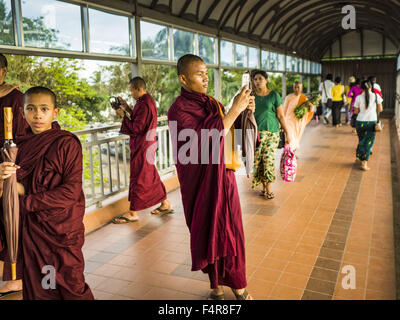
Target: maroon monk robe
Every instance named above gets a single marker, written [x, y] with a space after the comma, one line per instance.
[52, 214]
[13, 100]
[209, 195]
[145, 186]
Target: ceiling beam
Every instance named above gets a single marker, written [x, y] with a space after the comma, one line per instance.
[278, 19]
[210, 10]
[313, 25]
[251, 12]
[312, 48]
[153, 4]
[184, 8]
[316, 26]
[231, 12]
[331, 13]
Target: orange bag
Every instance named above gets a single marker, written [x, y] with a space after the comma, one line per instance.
[232, 157]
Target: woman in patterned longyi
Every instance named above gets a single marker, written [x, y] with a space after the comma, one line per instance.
[268, 115]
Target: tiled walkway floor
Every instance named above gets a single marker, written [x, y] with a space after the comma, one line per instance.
[334, 215]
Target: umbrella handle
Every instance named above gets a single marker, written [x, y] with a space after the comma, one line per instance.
[14, 271]
[8, 119]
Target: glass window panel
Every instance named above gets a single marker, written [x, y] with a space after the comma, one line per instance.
[299, 65]
[6, 23]
[253, 57]
[288, 63]
[52, 24]
[207, 49]
[307, 66]
[294, 64]
[183, 43]
[264, 59]
[226, 53]
[241, 56]
[111, 37]
[281, 62]
[272, 61]
[154, 41]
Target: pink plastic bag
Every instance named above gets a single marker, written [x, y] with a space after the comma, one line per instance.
[288, 164]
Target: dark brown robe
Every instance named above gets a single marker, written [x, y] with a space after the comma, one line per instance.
[209, 194]
[52, 214]
[145, 186]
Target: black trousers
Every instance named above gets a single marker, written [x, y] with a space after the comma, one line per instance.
[336, 106]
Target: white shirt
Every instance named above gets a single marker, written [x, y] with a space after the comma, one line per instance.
[328, 86]
[370, 113]
[377, 86]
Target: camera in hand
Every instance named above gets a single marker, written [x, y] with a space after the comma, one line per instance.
[116, 104]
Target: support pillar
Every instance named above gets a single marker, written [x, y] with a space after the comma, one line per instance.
[283, 85]
[218, 83]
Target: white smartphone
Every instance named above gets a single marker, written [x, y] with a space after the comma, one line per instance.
[246, 80]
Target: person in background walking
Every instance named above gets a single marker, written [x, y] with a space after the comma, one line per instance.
[348, 99]
[268, 114]
[375, 86]
[337, 93]
[325, 92]
[355, 91]
[367, 106]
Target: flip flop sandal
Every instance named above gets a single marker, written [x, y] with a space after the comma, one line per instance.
[4, 294]
[262, 193]
[161, 212]
[242, 296]
[214, 296]
[124, 220]
[270, 196]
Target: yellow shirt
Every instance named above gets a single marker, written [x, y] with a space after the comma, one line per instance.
[346, 91]
[337, 93]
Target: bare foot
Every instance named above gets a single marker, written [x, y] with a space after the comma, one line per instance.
[217, 294]
[242, 294]
[364, 166]
[130, 216]
[11, 286]
[165, 206]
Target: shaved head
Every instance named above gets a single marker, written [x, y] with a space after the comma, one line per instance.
[137, 83]
[185, 61]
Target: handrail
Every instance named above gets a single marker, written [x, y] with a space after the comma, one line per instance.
[106, 160]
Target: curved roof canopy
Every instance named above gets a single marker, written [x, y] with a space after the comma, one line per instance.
[308, 27]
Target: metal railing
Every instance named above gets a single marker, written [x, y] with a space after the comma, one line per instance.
[106, 160]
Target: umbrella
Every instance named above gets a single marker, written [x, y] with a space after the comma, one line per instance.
[10, 195]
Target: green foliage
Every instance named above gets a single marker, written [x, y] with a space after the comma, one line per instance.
[6, 31]
[231, 83]
[275, 82]
[301, 110]
[61, 76]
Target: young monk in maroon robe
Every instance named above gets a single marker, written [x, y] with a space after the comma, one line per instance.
[145, 186]
[9, 97]
[209, 191]
[52, 203]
